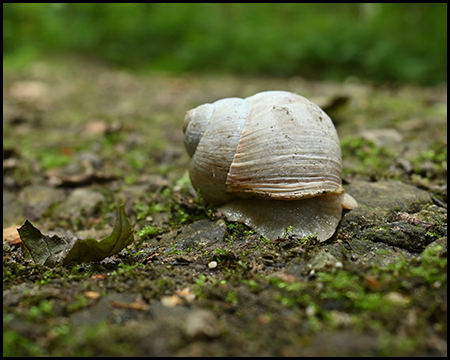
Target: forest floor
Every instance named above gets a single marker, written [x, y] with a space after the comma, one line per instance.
[81, 138]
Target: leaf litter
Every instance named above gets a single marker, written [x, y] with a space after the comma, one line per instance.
[52, 251]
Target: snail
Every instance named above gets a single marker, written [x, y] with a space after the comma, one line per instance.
[272, 161]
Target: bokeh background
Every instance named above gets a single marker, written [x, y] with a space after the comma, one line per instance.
[378, 42]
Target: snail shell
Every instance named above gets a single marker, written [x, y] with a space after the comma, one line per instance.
[271, 161]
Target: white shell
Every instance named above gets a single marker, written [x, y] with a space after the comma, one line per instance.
[273, 145]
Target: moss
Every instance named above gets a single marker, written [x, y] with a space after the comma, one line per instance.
[15, 344]
[432, 163]
[40, 311]
[149, 232]
[367, 157]
[80, 303]
[237, 230]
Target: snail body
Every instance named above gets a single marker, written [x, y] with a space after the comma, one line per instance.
[272, 161]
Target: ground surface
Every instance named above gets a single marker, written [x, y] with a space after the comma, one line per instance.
[80, 139]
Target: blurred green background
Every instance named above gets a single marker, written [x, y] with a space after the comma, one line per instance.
[380, 42]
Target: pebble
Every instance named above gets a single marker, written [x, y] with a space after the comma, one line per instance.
[323, 260]
[396, 298]
[310, 311]
[202, 322]
[171, 301]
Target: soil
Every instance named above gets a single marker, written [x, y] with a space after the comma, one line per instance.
[81, 138]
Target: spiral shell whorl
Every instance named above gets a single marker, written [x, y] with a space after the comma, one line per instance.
[213, 153]
[288, 148]
[195, 123]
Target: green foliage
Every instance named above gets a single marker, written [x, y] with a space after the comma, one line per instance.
[405, 42]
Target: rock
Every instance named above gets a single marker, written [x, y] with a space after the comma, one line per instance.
[400, 234]
[396, 298]
[81, 202]
[390, 139]
[111, 307]
[29, 91]
[202, 322]
[369, 253]
[212, 265]
[378, 204]
[38, 198]
[380, 200]
[322, 261]
[439, 242]
[343, 342]
[201, 233]
[191, 322]
[13, 211]
[171, 301]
